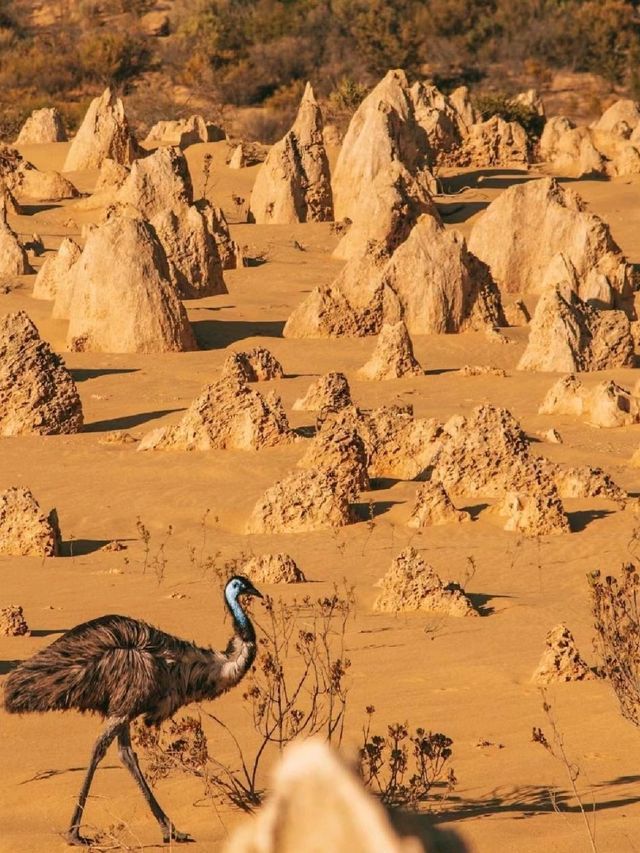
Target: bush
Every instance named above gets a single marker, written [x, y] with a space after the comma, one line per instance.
[502, 105]
[108, 57]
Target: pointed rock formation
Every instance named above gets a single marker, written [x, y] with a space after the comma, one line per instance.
[340, 449]
[273, 568]
[567, 396]
[55, 269]
[12, 622]
[561, 661]
[413, 585]
[37, 393]
[24, 180]
[533, 515]
[517, 313]
[8, 204]
[184, 132]
[393, 355]
[13, 258]
[433, 507]
[330, 392]
[310, 500]
[123, 299]
[327, 313]
[24, 530]
[605, 405]
[318, 804]
[42, 126]
[104, 132]
[622, 112]
[294, 183]
[256, 365]
[520, 232]
[238, 159]
[227, 415]
[568, 335]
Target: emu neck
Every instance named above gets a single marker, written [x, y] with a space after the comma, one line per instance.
[241, 651]
[241, 622]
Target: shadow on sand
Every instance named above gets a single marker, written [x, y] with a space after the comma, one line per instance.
[218, 334]
[128, 421]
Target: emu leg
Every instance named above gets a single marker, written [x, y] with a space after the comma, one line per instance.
[130, 761]
[99, 751]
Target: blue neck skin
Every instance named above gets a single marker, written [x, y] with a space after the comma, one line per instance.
[241, 621]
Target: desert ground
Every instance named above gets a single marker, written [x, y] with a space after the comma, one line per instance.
[469, 678]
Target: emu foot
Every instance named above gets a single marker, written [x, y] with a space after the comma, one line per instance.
[74, 839]
[175, 835]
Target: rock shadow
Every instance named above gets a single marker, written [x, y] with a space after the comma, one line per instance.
[219, 334]
[82, 374]
[128, 421]
[578, 521]
[81, 547]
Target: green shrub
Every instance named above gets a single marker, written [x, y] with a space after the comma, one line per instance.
[499, 104]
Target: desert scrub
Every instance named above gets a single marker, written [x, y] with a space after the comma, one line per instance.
[499, 104]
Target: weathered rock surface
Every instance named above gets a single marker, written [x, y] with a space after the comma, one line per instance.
[318, 804]
[495, 142]
[24, 180]
[433, 507]
[481, 370]
[24, 530]
[42, 126]
[273, 568]
[561, 661]
[340, 449]
[228, 414]
[393, 355]
[55, 269]
[330, 392]
[294, 182]
[568, 335]
[310, 500]
[521, 232]
[37, 393]
[13, 257]
[256, 365]
[533, 515]
[122, 298]
[412, 585]
[605, 405]
[12, 622]
[184, 132]
[104, 132]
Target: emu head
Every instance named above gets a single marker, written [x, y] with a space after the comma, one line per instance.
[237, 586]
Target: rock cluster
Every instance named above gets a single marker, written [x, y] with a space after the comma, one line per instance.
[495, 142]
[305, 501]
[561, 661]
[294, 183]
[330, 392]
[434, 507]
[273, 568]
[104, 133]
[42, 126]
[393, 355]
[256, 365]
[24, 180]
[24, 530]
[227, 415]
[12, 622]
[412, 585]
[184, 132]
[37, 393]
[605, 405]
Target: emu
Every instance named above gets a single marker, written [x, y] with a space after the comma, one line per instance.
[121, 669]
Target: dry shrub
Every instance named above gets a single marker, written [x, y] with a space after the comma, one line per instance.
[263, 125]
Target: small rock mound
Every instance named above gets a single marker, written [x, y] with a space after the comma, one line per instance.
[273, 568]
[42, 126]
[24, 530]
[494, 142]
[104, 132]
[340, 449]
[330, 392]
[37, 393]
[23, 179]
[54, 271]
[433, 507]
[570, 336]
[583, 481]
[310, 500]
[123, 299]
[256, 365]
[517, 313]
[562, 660]
[13, 258]
[605, 405]
[393, 355]
[184, 132]
[227, 415]
[481, 370]
[536, 514]
[413, 585]
[317, 803]
[294, 183]
[12, 622]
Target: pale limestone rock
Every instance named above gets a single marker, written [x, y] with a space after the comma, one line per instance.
[104, 132]
[24, 180]
[495, 142]
[42, 126]
[570, 336]
[412, 585]
[256, 365]
[227, 415]
[533, 515]
[24, 530]
[517, 313]
[238, 159]
[317, 804]
[305, 501]
[8, 204]
[13, 257]
[122, 298]
[531, 98]
[583, 481]
[55, 270]
[605, 405]
[273, 568]
[433, 507]
[328, 313]
[624, 110]
[294, 182]
[520, 232]
[12, 622]
[393, 355]
[551, 436]
[184, 132]
[567, 396]
[481, 370]
[561, 661]
[340, 449]
[37, 394]
[331, 392]
[460, 100]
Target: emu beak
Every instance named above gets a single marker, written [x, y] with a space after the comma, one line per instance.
[254, 591]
